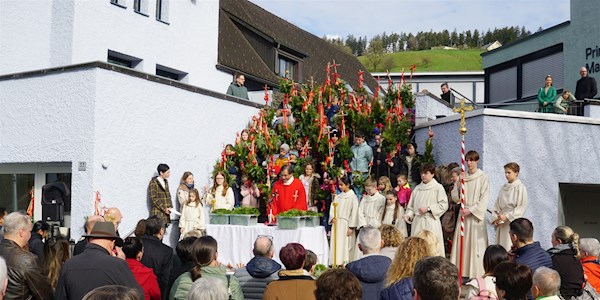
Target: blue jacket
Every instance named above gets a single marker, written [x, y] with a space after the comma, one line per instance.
[370, 271]
[533, 256]
[401, 290]
[256, 275]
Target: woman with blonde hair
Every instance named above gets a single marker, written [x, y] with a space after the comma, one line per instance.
[565, 260]
[185, 185]
[399, 283]
[220, 192]
[432, 241]
[391, 238]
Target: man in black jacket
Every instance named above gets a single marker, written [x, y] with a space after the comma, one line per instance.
[25, 278]
[157, 256]
[586, 86]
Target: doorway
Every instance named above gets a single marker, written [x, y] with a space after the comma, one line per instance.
[581, 203]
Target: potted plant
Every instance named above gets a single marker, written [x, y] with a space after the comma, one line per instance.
[219, 216]
[291, 219]
[244, 216]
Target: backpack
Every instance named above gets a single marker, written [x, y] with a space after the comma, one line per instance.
[484, 293]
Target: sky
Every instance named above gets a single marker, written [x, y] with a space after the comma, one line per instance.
[370, 17]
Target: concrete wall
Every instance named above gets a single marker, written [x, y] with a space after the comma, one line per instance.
[550, 149]
[427, 108]
[122, 126]
[39, 35]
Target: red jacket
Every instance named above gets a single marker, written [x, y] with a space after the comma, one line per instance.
[591, 268]
[146, 278]
[286, 197]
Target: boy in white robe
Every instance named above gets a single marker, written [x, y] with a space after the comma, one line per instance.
[510, 205]
[343, 239]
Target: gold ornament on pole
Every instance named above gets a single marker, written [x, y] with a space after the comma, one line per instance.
[335, 225]
[462, 109]
[213, 202]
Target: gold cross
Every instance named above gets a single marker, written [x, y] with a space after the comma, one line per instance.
[462, 109]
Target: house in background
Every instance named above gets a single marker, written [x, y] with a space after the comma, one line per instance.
[97, 93]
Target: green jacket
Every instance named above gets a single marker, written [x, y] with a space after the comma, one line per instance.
[236, 90]
[183, 284]
[548, 97]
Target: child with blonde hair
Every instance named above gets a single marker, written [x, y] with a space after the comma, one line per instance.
[432, 241]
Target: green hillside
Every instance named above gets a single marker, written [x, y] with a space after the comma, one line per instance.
[428, 61]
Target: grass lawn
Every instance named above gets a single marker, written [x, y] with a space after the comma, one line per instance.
[430, 61]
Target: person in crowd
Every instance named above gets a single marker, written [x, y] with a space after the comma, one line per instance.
[24, 273]
[393, 214]
[287, 193]
[380, 166]
[372, 268]
[362, 156]
[590, 249]
[157, 256]
[586, 86]
[208, 289]
[395, 166]
[403, 190]
[546, 284]
[513, 280]
[283, 158]
[427, 204]
[344, 224]
[3, 214]
[546, 96]
[184, 252]
[192, 214]
[384, 184]
[565, 260]
[564, 102]
[160, 195]
[39, 233]
[249, 192]
[412, 164]
[206, 265]
[332, 109]
[237, 88]
[113, 292]
[338, 284]
[310, 262]
[432, 241]
[76, 280]
[114, 216]
[134, 250]
[446, 94]
[475, 230]
[524, 249]
[140, 228]
[510, 205]
[185, 185]
[220, 192]
[294, 282]
[3, 278]
[334, 135]
[310, 181]
[260, 270]
[399, 281]
[436, 278]
[391, 238]
[371, 206]
[486, 285]
[56, 253]
[89, 224]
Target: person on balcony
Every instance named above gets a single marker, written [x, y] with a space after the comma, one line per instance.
[546, 96]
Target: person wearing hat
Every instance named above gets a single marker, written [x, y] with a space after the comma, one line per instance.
[97, 266]
[284, 155]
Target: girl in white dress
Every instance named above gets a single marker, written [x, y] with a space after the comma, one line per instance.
[192, 215]
[220, 192]
[393, 214]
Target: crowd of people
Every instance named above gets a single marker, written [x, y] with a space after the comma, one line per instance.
[550, 102]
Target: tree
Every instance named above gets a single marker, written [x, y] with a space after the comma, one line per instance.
[339, 43]
[476, 38]
[454, 38]
[375, 54]
[352, 43]
[412, 42]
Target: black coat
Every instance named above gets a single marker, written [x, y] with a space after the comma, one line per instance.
[25, 278]
[158, 257]
[569, 268]
[93, 268]
[586, 88]
[36, 246]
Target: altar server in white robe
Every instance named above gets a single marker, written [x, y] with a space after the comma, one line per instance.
[371, 206]
[475, 230]
[393, 214]
[428, 202]
[342, 231]
[510, 205]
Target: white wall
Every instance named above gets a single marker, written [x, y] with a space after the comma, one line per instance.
[427, 108]
[127, 123]
[550, 149]
[43, 34]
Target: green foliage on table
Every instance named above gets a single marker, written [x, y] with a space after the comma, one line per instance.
[310, 213]
[221, 211]
[292, 213]
[245, 211]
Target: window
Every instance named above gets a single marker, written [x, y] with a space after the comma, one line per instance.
[535, 72]
[119, 3]
[170, 73]
[16, 190]
[141, 7]
[162, 11]
[288, 66]
[124, 60]
[503, 85]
